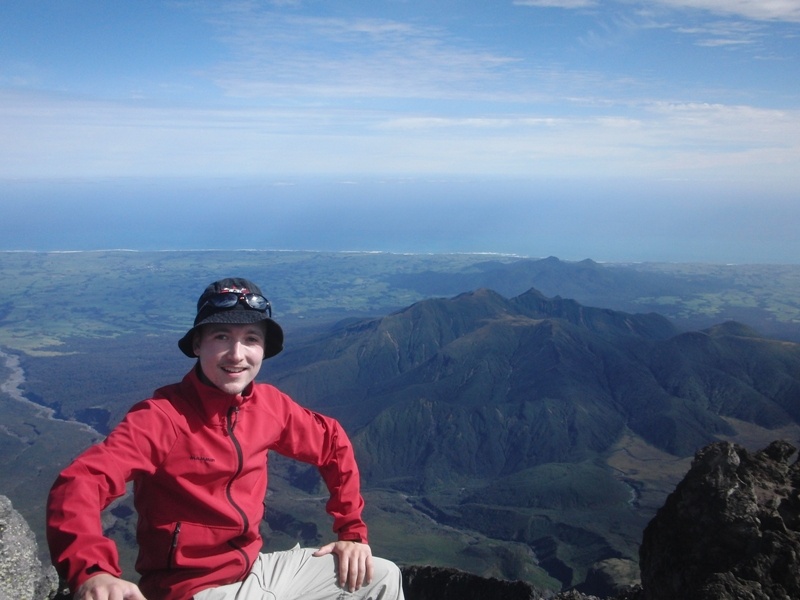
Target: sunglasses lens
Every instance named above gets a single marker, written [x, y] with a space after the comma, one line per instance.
[257, 302]
[224, 300]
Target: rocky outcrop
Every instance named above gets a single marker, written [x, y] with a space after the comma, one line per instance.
[433, 583]
[729, 531]
[22, 576]
[609, 578]
[436, 583]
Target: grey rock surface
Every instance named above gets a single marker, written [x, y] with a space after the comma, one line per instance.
[22, 576]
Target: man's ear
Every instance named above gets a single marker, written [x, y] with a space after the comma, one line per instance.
[196, 339]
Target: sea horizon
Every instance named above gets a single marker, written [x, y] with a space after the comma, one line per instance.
[572, 221]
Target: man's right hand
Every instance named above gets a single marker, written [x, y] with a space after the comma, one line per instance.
[107, 587]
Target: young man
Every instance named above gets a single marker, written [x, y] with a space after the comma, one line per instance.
[197, 455]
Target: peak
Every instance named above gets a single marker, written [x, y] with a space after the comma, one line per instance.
[588, 262]
[482, 293]
[550, 260]
[531, 294]
[733, 328]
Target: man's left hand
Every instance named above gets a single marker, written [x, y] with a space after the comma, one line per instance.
[355, 562]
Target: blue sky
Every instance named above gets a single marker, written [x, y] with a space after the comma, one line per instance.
[632, 94]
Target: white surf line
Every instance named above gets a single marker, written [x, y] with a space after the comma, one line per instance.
[12, 386]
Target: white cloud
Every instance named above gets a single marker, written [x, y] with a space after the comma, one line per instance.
[433, 123]
[350, 58]
[54, 138]
[557, 3]
[724, 33]
[759, 10]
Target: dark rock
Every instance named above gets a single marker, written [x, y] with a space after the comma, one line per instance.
[610, 577]
[574, 595]
[729, 531]
[435, 583]
[438, 583]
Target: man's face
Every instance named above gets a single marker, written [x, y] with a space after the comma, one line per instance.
[230, 355]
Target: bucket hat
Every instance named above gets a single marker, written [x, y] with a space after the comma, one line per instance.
[234, 301]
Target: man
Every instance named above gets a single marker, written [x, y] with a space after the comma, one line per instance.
[196, 453]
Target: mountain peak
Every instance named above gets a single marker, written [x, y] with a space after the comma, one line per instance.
[733, 328]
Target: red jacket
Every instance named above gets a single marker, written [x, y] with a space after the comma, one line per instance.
[198, 461]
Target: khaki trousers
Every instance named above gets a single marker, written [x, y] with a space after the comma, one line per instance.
[297, 575]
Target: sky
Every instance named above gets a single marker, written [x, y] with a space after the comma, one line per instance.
[614, 130]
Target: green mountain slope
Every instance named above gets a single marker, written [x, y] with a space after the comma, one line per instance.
[497, 415]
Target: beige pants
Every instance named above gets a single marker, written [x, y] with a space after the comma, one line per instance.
[296, 574]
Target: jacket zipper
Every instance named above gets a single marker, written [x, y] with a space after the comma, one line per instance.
[233, 415]
[174, 546]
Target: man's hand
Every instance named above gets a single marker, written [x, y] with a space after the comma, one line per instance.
[355, 563]
[107, 587]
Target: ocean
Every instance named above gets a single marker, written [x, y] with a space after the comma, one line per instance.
[613, 221]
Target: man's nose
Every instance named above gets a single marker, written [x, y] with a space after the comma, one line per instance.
[236, 349]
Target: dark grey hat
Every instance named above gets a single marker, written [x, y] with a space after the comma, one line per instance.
[234, 301]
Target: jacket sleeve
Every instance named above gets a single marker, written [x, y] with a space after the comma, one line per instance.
[90, 483]
[320, 440]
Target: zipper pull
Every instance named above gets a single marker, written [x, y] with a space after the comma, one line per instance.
[176, 532]
[174, 546]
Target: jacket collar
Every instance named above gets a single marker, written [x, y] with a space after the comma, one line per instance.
[212, 403]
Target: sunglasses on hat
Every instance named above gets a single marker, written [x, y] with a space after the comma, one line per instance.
[229, 298]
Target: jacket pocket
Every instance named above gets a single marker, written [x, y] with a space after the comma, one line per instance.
[187, 545]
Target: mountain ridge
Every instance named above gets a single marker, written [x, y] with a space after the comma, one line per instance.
[499, 415]
[553, 347]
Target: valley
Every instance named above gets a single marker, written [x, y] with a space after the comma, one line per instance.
[503, 431]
